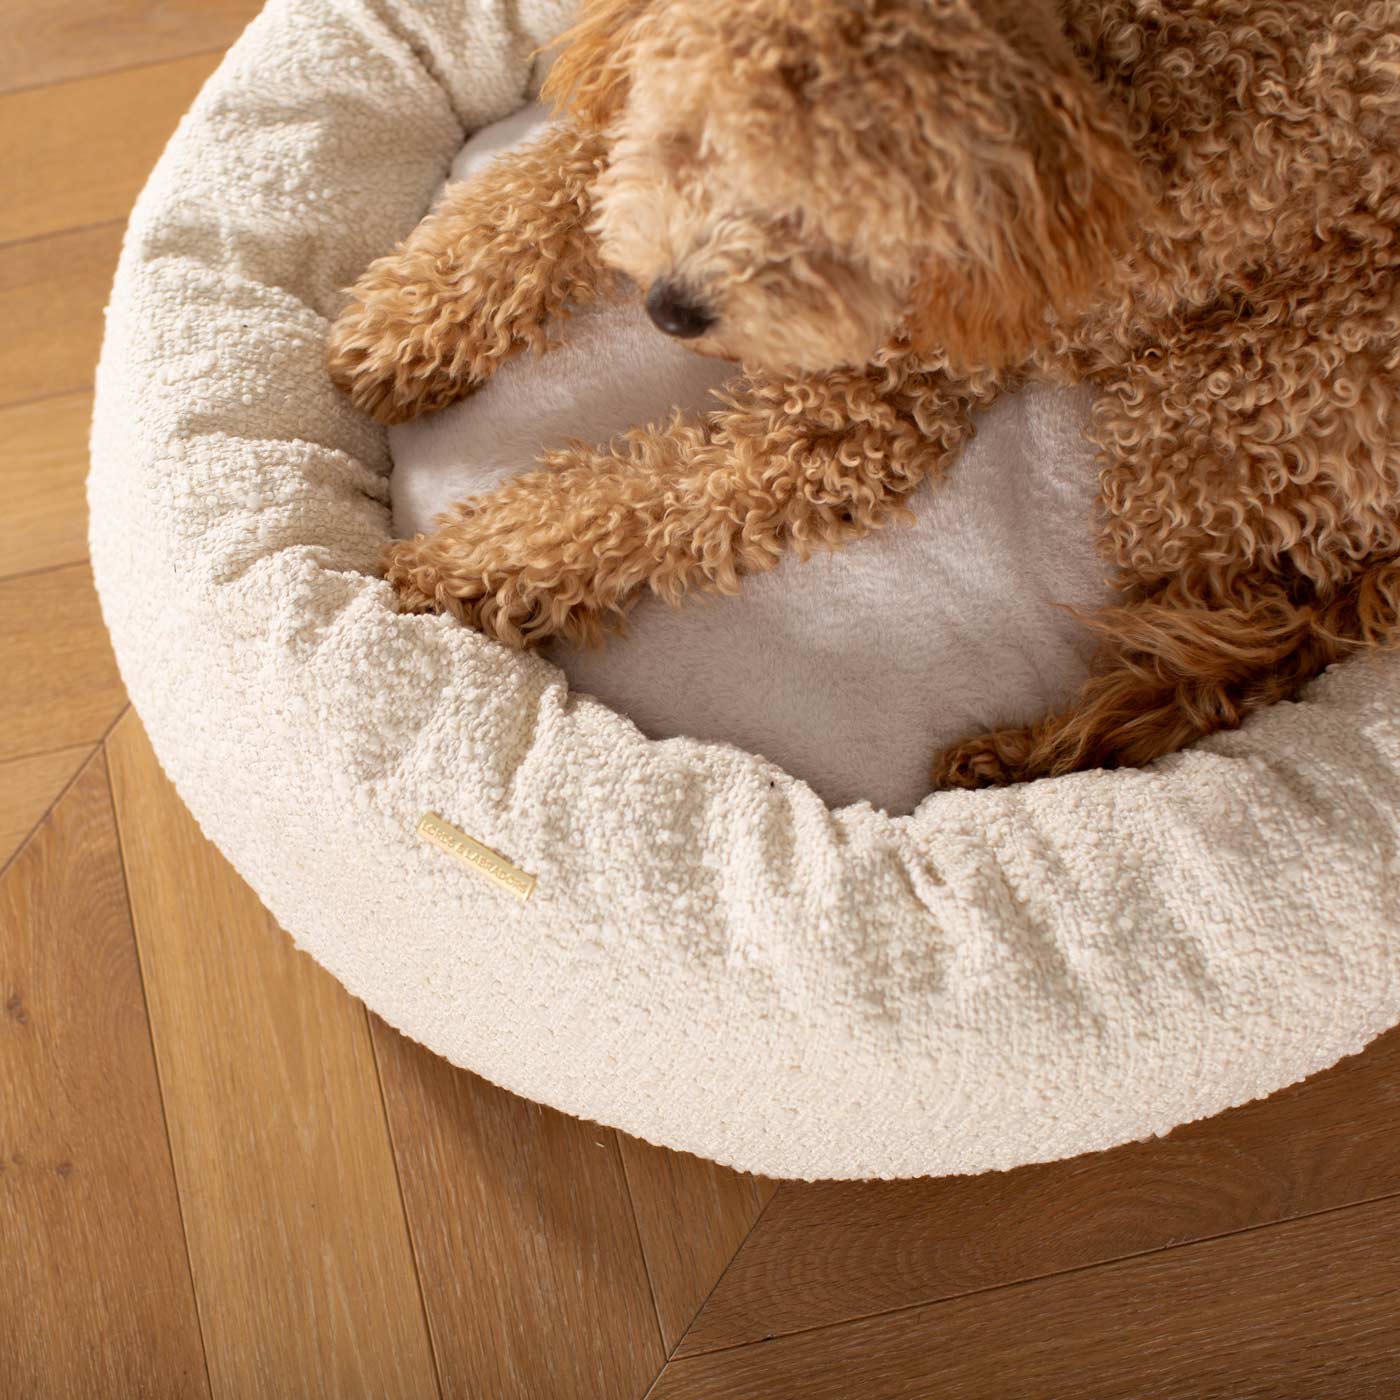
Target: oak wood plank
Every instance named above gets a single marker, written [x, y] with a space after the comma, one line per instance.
[95, 1295]
[28, 788]
[59, 685]
[52, 291]
[43, 472]
[531, 1268]
[46, 42]
[297, 1239]
[825, 1252]
[76, 154]
[1305, 1310]
[691, 1215]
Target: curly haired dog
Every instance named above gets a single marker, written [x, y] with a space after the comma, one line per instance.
[890, 211]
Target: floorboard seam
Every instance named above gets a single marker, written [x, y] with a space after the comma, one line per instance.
[48, 235]
[723, 1274]
[112, 72]
[62, 792]
[35, 573]
[641, 1247]
[151, 1039]
[84, 388]
[1042, 1278]
[403, 1204]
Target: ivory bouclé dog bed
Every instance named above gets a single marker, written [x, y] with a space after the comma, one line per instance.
[710, 956]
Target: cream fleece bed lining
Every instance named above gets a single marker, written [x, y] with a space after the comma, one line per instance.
[713, 959]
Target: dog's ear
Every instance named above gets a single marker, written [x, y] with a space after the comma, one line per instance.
[589, 77]
[1037, 194]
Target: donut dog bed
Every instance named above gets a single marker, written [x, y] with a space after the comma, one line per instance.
[709, 956]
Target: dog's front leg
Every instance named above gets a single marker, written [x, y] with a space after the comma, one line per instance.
[475, 282]
[797, 462]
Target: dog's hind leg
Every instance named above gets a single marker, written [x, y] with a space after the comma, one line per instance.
[475, 282]
[1251, 491]
[1168, 674]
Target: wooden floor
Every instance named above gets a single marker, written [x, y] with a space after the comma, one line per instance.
[219, 1175]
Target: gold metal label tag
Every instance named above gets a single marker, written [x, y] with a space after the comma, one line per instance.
[482, 859]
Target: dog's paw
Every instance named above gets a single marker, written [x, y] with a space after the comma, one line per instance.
[514, 604]
[415, 582]
[989, 760]
[390, 365]
[363, 368]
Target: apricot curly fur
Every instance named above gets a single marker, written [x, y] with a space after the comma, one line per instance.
[475, 283]
[894, 210]
[800, 464]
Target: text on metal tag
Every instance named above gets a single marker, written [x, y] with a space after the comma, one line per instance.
[482, 859]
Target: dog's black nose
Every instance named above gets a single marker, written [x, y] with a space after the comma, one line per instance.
[675, 313]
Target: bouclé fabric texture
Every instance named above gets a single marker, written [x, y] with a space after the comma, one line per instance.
[713, 959]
